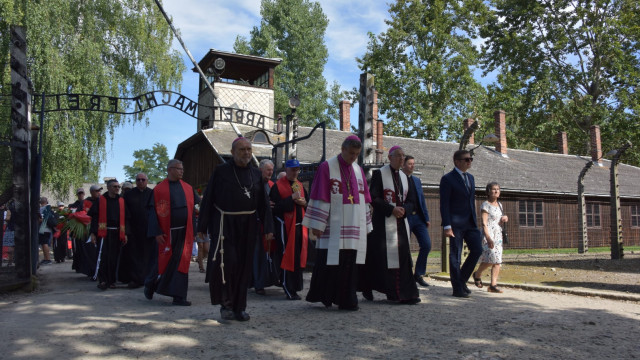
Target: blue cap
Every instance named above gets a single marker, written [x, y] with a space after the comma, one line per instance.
[292, 163]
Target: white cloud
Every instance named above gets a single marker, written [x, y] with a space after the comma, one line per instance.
[212, 24]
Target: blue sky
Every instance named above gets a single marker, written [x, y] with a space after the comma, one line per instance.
[215, 24]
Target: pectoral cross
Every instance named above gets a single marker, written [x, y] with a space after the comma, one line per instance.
[350, 197]
[246, 192]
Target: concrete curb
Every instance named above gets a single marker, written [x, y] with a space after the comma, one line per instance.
[612, 295]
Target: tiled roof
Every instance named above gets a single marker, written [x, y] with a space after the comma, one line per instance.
[519, 171]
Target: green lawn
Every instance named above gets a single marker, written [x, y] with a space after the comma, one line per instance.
[604, 249]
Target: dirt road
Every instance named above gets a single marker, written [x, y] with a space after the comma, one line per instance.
[69, 318]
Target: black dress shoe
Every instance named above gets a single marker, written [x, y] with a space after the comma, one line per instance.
[261, 292]
[133, 285]
[461, 295]
[349, 308]
[327, 303]
[368, 294]
[241, 316]
[181, 302]
[226, 314]
[465, 288]
[420, 280]
[410, 301]
[294, 297]
[148, 292]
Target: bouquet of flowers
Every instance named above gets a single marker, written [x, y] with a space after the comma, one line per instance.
[77, 223]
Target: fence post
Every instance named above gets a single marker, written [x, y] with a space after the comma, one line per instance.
[20, 124]
[617, 250]
[583, 244]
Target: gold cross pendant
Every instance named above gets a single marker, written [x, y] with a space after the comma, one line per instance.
[350, 197]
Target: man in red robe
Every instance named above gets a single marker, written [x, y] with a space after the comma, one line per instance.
[108, 233]
[172, 224]
[289, 198]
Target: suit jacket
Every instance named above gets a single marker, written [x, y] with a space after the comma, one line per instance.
[457, 203]
[420, 212]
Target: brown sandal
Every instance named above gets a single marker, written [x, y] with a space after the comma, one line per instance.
[494, 289]
[477, 281]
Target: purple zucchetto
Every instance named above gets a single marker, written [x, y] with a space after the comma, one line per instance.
[353, 137]
[238, 139]
[394, 148]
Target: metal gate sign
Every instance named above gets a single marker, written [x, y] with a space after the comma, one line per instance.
[144, 102]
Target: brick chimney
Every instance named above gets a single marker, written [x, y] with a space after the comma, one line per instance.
[501, 132]
[378, 134]
[467, 124]
[345, 115]
[596, 145]
[563, 146]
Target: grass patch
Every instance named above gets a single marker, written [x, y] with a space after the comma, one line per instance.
[604, 249]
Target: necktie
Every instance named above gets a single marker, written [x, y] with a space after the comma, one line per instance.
[466, 181]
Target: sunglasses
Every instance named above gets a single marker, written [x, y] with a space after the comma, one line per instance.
[141, 179]
[466, 159]
[116, 186]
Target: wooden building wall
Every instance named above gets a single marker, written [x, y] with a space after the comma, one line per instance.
[199, 161]
[560, 222]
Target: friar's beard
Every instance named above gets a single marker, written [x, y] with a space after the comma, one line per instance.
[241, 161]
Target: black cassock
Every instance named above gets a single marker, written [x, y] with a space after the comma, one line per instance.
[135, 255]
[397, 284]
[109, 246]
[172, 282]
[266, 259]
[227, 190]
[85, 254]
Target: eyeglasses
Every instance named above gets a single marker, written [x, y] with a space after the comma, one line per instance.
[469, 159]
[177, 168]
[141, 179]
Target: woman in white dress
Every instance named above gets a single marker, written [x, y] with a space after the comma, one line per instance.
[492, 217]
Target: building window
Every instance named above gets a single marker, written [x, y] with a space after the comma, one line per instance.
[593, 215]
[635, 215]
[260, 138]
[530, 213]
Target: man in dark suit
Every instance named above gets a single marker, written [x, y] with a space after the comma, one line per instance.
[418, 221]
[458, 211]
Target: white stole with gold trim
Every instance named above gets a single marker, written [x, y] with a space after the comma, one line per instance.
[391, 225]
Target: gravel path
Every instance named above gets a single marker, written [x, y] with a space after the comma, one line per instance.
[69, 318]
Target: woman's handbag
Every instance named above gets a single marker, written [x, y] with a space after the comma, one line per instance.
[505, 238]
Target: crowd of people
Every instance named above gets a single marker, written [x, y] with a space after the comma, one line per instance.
[254, 231]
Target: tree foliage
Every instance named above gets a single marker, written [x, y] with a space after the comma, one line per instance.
[107, 47]
[294, 30]
[565, 66]
[152, 162]
[424, 64]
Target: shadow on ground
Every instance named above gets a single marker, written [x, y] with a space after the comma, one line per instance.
[69, 318]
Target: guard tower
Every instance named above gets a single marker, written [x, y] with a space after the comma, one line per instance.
[243, 86]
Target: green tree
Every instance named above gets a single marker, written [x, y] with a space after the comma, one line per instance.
[152, 162]
[424, 67]
[565, 66]
[293, 30]
[108, 47]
